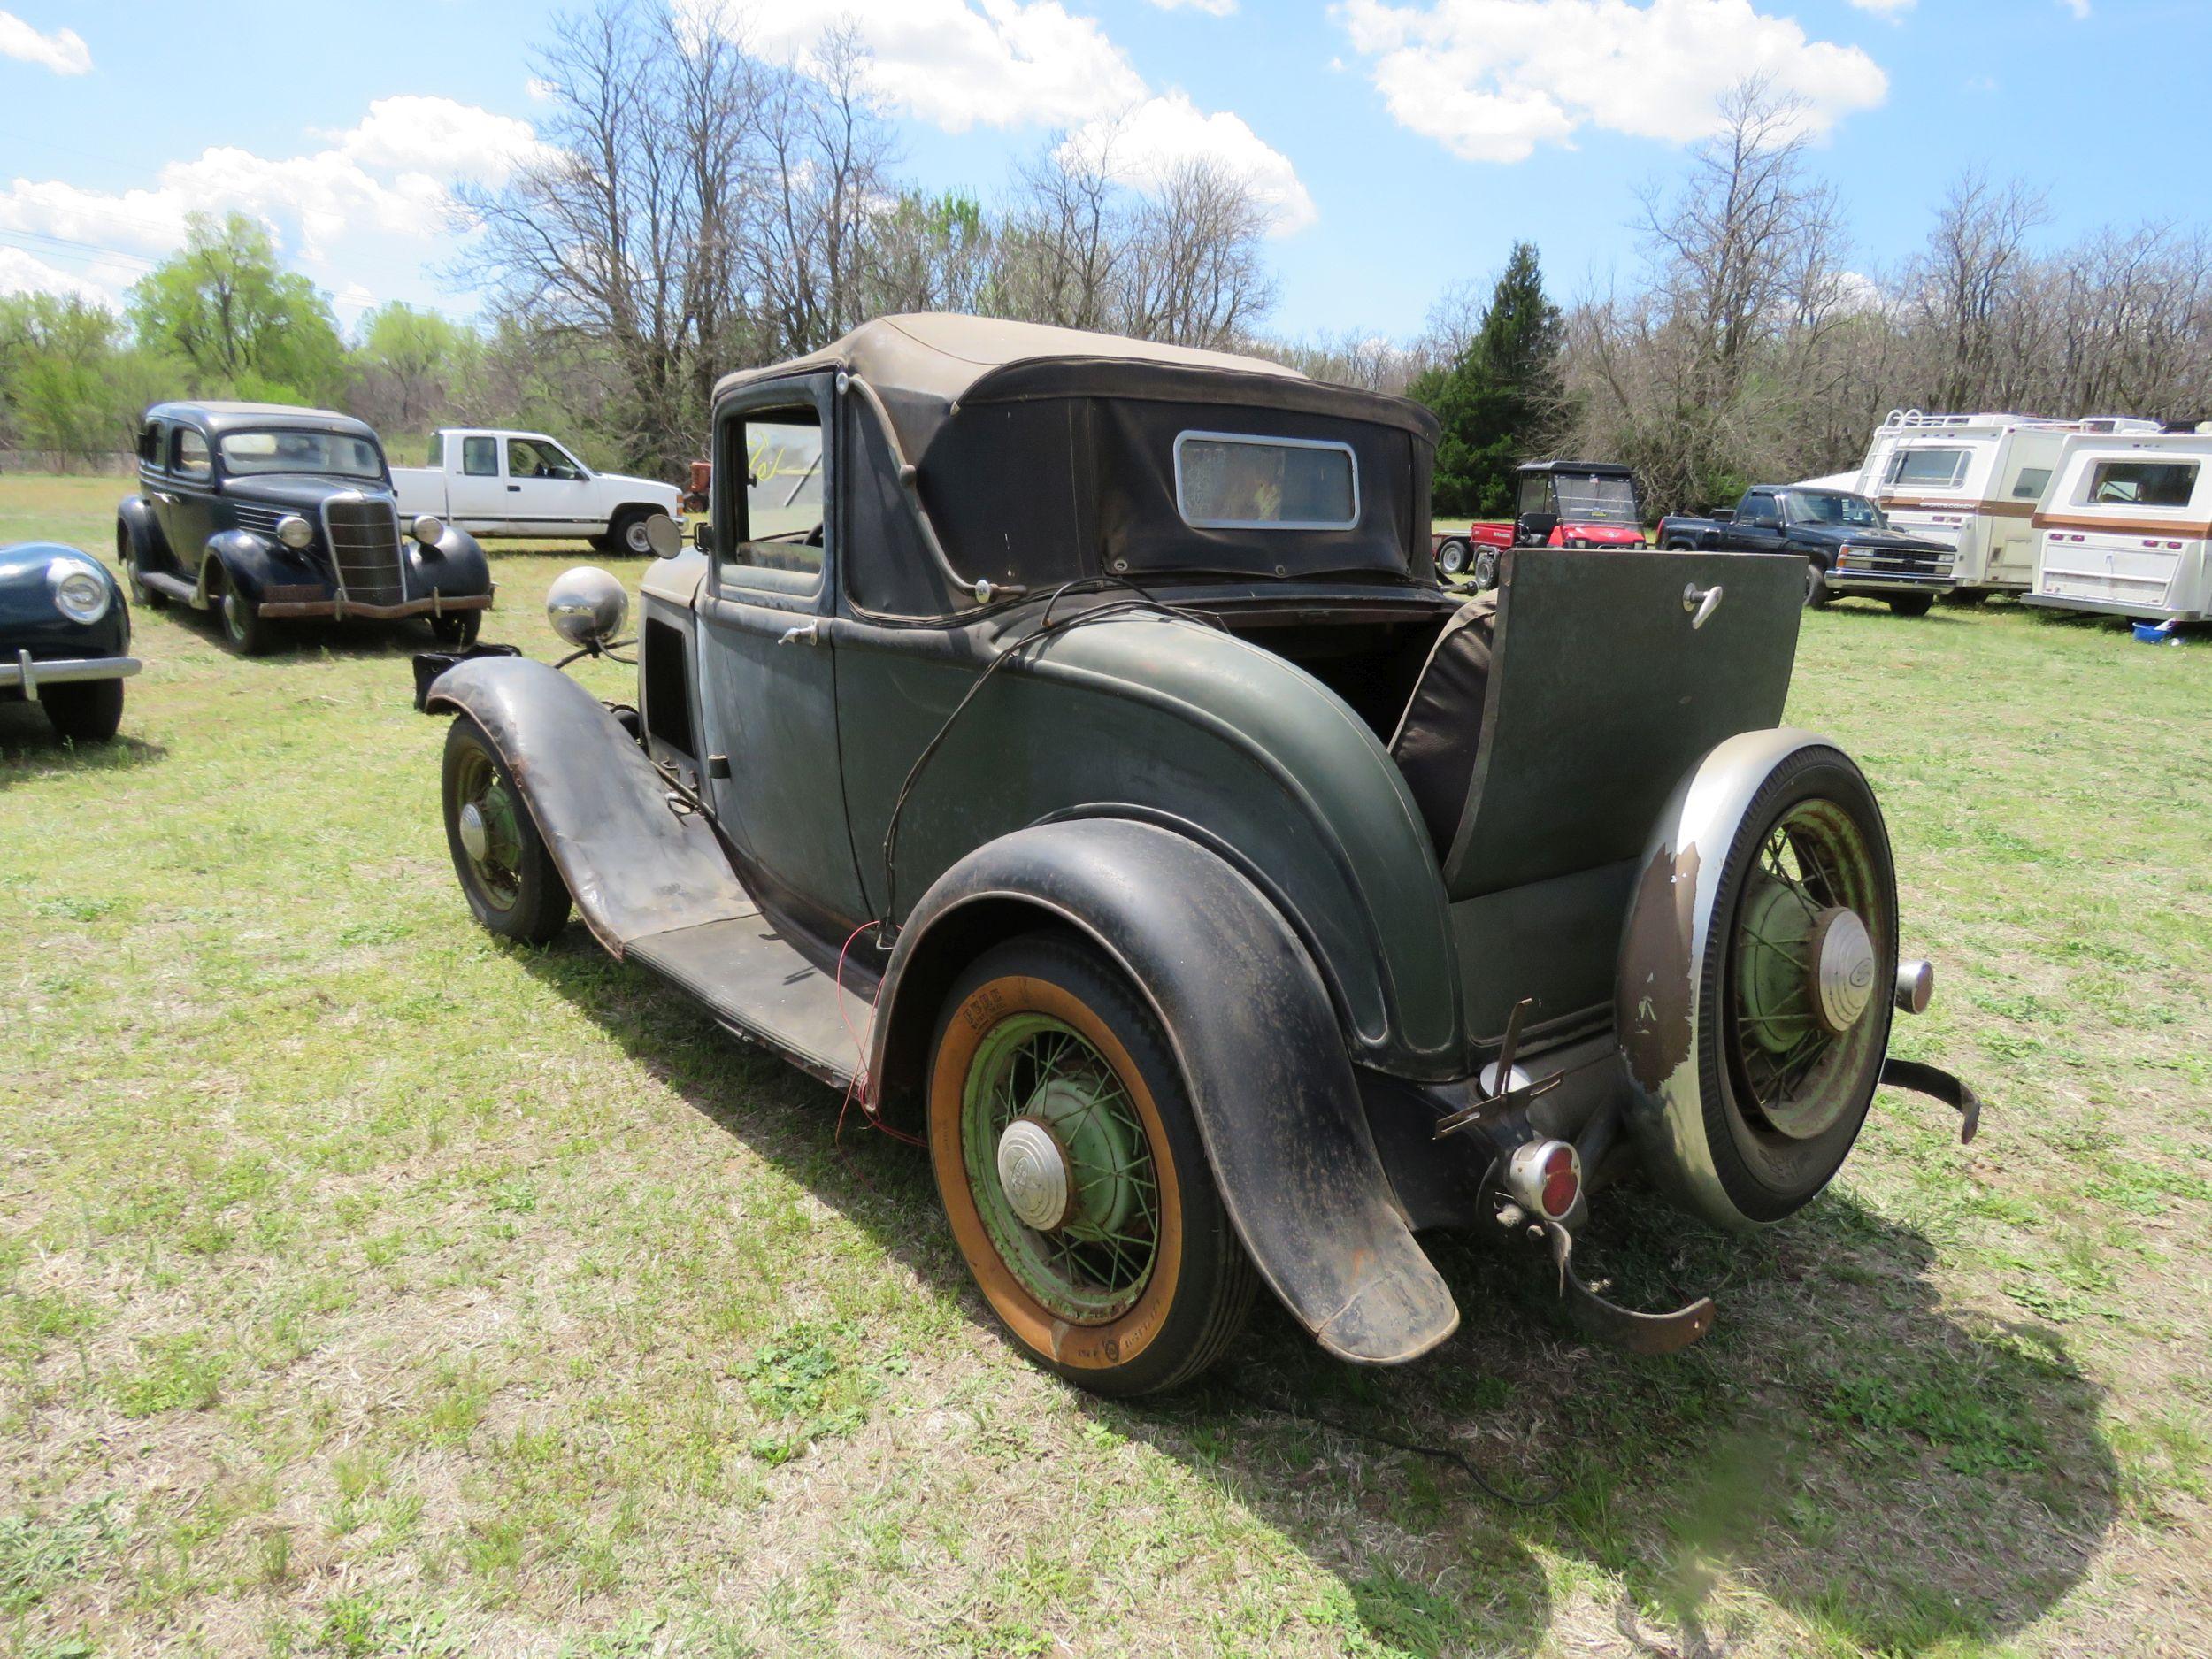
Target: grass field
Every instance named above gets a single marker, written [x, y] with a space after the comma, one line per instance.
[369, 1289]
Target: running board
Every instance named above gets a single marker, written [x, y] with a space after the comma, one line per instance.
[761, 989]
[174, 586]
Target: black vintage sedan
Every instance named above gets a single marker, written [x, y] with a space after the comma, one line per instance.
[265, 512]
[64, 638]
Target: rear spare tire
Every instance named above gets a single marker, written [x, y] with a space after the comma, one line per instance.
[1754, 1003]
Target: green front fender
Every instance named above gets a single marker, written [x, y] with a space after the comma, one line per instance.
[1185, 726]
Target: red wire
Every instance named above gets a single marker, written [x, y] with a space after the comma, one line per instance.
[861, 1087]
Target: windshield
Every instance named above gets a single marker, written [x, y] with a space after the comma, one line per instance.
[1585, 499]
[339, 454]
[2142, 483]
[1822, 506]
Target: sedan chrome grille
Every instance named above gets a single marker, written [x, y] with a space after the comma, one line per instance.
[364, 532]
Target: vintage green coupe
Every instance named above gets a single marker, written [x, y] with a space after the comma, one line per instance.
[1063, 743]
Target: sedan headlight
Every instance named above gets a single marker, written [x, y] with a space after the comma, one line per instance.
[428, 530]
[295, 532]
[81, 593]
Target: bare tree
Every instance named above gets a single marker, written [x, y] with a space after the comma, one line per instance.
[1193, 271]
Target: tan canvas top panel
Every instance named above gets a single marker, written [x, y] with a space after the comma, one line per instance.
[940, 355]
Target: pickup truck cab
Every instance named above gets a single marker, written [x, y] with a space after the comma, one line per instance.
[1848, 545]
[499, 483]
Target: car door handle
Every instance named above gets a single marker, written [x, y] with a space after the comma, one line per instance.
[1700, 602]
[805, 634]
[515, 488]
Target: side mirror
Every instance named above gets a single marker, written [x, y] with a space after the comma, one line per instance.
[702, 536]
[664, 535]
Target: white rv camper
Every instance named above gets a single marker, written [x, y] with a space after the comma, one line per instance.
[1972, 482]
[2125, 527]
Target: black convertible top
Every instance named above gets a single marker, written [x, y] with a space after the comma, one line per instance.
[1046, 454]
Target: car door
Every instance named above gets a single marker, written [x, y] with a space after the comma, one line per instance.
[548, 492]
[476, 485]
[1758, 523]
[187, 499]
[768, 659]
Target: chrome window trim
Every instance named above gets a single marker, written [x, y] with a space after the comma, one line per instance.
[1263, 442]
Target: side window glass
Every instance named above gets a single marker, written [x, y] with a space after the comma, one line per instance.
[534, 457]
[149, 445]
[436, 457]
[779, 512]
[480, 457]
[189, 457]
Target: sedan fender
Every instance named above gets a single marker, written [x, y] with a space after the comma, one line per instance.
[252, 564]
[1250, 1024]
[137, 528]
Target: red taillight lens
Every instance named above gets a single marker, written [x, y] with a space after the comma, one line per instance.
[1563, 1182]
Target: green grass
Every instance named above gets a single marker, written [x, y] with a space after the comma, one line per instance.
[369, 1289]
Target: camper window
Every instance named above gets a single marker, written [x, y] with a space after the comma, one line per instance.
[2142, 483]
[1941, 468]
[2032, 481]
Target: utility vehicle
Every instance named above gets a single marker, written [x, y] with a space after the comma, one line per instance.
[1559, 504]
[1093, 778]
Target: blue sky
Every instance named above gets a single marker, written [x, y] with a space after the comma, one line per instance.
[1406, 142]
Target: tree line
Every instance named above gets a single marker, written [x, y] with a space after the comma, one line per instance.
[692, 209]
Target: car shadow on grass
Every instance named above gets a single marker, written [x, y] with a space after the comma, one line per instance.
[30, 748]
[1899, 1475]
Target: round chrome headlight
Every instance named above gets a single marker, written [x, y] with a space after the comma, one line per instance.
[295, 532]
[80, 591]
[586, 606]
[428, 530]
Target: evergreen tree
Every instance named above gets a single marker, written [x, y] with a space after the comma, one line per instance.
[1494, 398]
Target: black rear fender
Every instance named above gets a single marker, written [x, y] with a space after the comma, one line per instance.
[1250, 1024]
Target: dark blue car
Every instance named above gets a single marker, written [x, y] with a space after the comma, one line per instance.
[64, 638]
[265, 512]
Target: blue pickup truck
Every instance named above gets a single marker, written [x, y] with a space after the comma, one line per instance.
[1847, 544]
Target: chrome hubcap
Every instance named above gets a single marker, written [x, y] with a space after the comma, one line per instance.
[1033, 1171]
[475, 839]
[1843, 969]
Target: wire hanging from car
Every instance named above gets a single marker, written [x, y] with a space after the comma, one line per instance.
[1042, 629]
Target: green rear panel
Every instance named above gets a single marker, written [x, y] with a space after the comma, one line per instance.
[1185, 725]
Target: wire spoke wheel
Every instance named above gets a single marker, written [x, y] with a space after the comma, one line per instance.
[1094, 1260]
[1801, 971]
[491, 839]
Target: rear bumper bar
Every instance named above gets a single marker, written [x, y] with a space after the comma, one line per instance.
[435, 605]
[29, 672]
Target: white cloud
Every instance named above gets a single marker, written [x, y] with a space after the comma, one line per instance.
[2079, 8]
[540, 89]
[1142, 145]
[1211, 8]
[389, 176]
[957, 63]
[64, 52]
[1492, 79]
[22, 273]
[1886, 8]
[997, 63]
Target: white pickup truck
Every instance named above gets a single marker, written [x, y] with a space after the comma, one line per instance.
[494, 483]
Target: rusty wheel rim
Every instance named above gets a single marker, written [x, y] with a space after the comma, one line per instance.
[490, 837]
[1093, 1266]
[1792, 1073]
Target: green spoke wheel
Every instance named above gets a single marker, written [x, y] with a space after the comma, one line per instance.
[1100, 1204]
[1796, 982]
[1071, 1171]
[507, 874]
